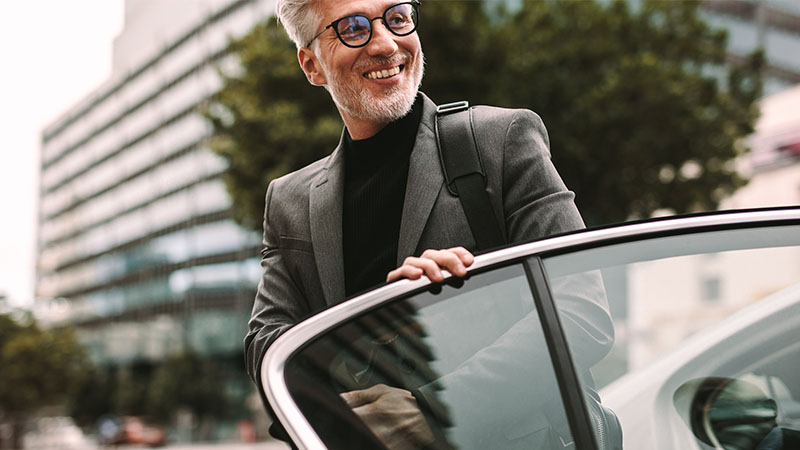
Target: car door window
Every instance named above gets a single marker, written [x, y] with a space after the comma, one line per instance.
[693, 385]
[471, 357]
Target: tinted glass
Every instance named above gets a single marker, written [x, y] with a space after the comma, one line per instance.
[471, 362]
[354, 29]
[401, 18]
[692, 384]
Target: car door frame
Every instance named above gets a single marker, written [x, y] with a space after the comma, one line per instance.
[531, 256]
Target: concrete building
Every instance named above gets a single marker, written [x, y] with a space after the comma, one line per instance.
[773, 25]
[773, 165]
[136, 246]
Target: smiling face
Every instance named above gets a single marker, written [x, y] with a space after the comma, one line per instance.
[371, 85]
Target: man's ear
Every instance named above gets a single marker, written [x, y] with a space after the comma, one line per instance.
[311, 66]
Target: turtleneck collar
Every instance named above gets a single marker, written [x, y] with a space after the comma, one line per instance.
[395, 140]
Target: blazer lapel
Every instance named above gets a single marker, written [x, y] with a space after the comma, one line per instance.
[425, 181]
[325, 211]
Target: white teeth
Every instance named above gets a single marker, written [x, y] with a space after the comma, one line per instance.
[378, 74]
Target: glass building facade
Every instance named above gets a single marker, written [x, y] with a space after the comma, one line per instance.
[773, 25]
[136, 245]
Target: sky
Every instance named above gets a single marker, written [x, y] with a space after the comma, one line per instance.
[53, 53]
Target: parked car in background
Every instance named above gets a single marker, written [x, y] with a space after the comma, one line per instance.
[131, 430]
[511, 356]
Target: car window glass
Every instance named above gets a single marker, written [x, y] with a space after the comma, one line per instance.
[665, 294]
[472, 357]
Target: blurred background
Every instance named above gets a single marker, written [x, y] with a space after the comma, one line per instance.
[141, 135]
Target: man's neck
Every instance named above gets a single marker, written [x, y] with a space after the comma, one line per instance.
[361, 129]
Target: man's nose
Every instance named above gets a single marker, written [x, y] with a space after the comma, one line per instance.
[382, 42]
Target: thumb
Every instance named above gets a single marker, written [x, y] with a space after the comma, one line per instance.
[355, 399]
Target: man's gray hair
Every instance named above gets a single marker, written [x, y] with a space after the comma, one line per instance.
[299, 18]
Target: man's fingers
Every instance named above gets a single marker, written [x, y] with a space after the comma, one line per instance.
[355, 399]
[466, 257]
[410, 272]
[414, 268]
[394, 417]
[455, 260]
[447, 259]
[428, 265]
[360, 397]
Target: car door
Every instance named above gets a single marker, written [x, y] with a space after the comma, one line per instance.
[508, 357]
[479, 356]
[709, 344]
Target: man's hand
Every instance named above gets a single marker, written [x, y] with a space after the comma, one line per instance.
[392, 415]
[455, 260]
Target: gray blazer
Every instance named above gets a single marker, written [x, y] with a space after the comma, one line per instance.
[302, 262]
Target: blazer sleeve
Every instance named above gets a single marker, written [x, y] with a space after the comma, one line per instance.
[279, 303]
[537, 203]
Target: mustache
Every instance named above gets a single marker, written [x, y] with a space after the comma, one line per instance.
[373, 61]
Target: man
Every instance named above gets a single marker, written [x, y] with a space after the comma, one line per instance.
[377, 209]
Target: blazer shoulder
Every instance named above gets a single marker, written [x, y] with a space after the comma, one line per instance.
[298, 182]
[495, 126]
[496, 116]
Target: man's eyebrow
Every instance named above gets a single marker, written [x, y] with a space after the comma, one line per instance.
[366, 14]
[355, 13]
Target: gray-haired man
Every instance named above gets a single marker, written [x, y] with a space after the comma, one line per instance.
[377, 208]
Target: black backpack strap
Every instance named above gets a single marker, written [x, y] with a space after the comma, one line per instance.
[464, 173]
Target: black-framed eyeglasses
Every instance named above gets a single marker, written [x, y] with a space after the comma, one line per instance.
[356, 30]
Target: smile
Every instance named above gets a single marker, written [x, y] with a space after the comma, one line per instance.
[386, 73]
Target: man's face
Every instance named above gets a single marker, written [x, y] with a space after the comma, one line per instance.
[373, 84]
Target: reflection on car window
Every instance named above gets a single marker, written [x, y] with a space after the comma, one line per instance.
[663, 291]
[472, 361]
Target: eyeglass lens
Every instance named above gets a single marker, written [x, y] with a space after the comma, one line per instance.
[356, 30]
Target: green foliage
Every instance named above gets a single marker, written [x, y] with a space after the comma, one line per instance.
[633, 102]
[268, 119]
[38, 367]
[132, 384]
[157, 391]
[187, 381]
[641, 110]
[93, 397]
[461, 56]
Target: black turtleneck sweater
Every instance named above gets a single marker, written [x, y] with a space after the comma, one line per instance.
[376, 170]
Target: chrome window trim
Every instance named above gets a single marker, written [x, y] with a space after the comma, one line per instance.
[274, 361]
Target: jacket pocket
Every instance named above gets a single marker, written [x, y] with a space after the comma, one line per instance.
[290, 243]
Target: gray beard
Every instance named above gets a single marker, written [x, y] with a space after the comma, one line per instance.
[363, 106]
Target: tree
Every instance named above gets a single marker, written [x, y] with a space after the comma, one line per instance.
[39, 368]
[93, 397]
[641, 111]
[267, 119]
[633, 102]
[187, 381]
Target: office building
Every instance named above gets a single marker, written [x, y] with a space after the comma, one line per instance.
[136, 245]
[772, 25]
